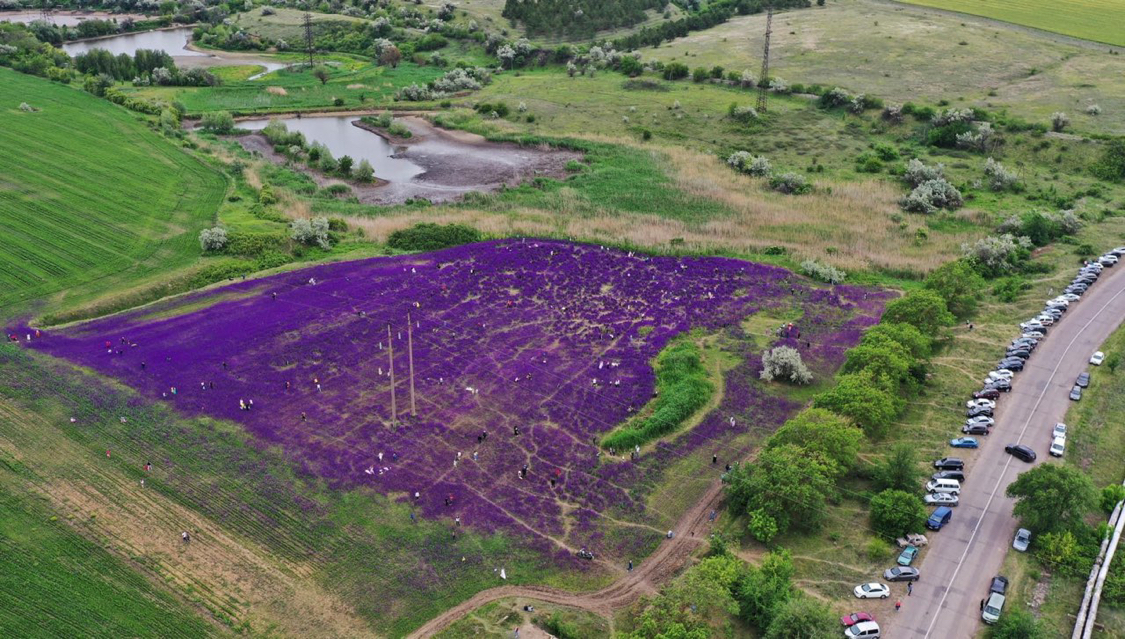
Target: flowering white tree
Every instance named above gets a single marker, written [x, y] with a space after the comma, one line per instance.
[213, 239]
[784, 363]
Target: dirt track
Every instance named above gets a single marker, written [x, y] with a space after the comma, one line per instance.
[644, 580]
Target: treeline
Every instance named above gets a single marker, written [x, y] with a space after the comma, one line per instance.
[577, 18]
[714, 13]
[56, 34]
[144, 68]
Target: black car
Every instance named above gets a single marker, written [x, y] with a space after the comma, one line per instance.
[959, 475]
[1019, 451]
[987, 393]
[975, 429]
[1021, 353]
[949, 463]
[979, 410]
[1076, 393]
[999, 585]
[1002, 385]
[1083, 379]
[1011, 363]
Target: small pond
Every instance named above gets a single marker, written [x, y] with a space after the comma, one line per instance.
[171, 41]
[342, 138]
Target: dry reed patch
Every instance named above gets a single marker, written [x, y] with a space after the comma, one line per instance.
[277, 90]
[357, 86]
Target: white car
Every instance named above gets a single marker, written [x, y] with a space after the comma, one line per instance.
[1058, 447]
[973, 403]
[873, 590]
[951, 486]
[1108, 259]
[863, 630]
[941, 499]
[1060, 300]
[1060, 430]
[1031, 323]
[1097, 358]
[1003, 373]
[1045, 320]
[1070, 297]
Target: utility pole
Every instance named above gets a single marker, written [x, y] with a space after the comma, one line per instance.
[764, 77]
[309, 37]
[410, 351]
[391, 345]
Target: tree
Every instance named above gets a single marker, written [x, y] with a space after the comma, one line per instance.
[363, 172]
[213, 239]
[888, 364]
[507, 55]
[344, 166]
[1052, 498]
[1062, 553]
[320, 72]
[218, 122]
[788, 483]
[899, 470]
[762, 590]
[895, 513]
[1111, 165]
[916, 344]
[824, 433]
[864, 401]
[390, 56]
[784, 362]
[923, 309]
[959, 284]
[1016, 623]
[314, 231]
[1112, 494]
[802, 617]
[682, 610]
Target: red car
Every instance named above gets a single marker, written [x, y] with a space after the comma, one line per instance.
[988, 393]
[855, 617]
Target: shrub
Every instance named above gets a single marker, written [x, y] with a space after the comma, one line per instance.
[868, 163]
[311, 231]
[218, 122]
[363, 172]
[744, 114]
[893, 113]
[456, 80]
[980, 140]
[699, 74]
[932, 195]
[778, 85]
[953, 116]
[790, 183]
[878, 550]
[823, 272]
[1111, 165]
[431, 237]
[1111, 495]
[999, 178]
[746, 79]
[895, 513]
[837, 97]
[27, 108]
[1093, 109]
[1059, 121]
[672, 71]
[996, 255]
[213, 239]
[784, 363]
[917, 173]
[756, 165]
[415, 93]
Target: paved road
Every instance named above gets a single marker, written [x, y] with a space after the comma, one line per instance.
[965, 554]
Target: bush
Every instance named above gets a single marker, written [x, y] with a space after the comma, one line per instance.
[999, 178]
[893, 113]
[868, 163]
[878, 550]
[790, 184]
[415, 93]
[895, 513]
[431, 237]
[917, 173]
[823, 272]
[218, 122]
[784, 363]
[456, 80]
[756, 165]
[932, 195]
[213, 239]
[1111, 165]
[363, 172]
[1110, 496]
[837, 97]
[1059, 121]
[314, 231]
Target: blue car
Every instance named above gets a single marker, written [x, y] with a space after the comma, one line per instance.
[964, 442]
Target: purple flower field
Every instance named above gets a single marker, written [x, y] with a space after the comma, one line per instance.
[552, 338]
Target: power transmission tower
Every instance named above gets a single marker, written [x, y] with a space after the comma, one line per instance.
[309, 37]
[764, 77]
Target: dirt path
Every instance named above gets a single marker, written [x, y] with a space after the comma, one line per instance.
[645, 579]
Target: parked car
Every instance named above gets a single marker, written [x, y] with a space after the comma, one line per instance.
[1083, 379]
[959, 475]
[1019, 451]
[941, 499]
[951, 486]
[1011, 363]
[1119, 251]
[980, 402]
[987, 393]
[1059, 430]
[1070, 297]
[855, 617]
[912, 539]
[1058, 446]
[1097, 358]
[1021, 353]
[939, 518]
[863, 630]
[992, 608]
[978, 411]
[1045, 320]
[906, 557]
[980, 420]
[973, 429]
[949, 463]
[901, 573]
[1022, 540]
[873, 590]
[966, 442]
[1034, 323]
[1002, 385]
[999, 584]
[1076, 393]
[1107, 260]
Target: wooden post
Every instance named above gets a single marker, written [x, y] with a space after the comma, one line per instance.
[391, 345]
[410, 353]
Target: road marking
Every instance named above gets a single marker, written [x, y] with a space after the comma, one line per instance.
[1027, 423]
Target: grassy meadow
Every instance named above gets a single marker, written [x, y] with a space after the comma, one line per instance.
[903, 53]
[287, 24]
[1097, 20]
[90, 198]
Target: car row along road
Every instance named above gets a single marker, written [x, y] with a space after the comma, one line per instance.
[966, 553]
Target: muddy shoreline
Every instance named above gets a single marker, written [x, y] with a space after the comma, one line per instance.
[455, 163]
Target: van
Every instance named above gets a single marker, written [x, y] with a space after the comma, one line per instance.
[939, 518]
[864, 629]
[992, 608]
[944, 486]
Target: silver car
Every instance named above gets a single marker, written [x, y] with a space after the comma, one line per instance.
[941, 499]
[1022, 540]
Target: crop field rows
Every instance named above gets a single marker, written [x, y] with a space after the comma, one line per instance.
[75, 206]
[506, 335]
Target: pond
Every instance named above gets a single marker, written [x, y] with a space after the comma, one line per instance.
[342, 138]
[171, 41]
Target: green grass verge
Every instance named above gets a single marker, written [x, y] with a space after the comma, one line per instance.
[90, 199]
[1098, 20]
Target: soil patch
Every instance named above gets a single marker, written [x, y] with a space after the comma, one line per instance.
[455, 163]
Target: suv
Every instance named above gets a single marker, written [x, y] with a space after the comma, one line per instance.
[992, 608]
[1058, 447]
[949, 463]
[975, 429]
[959, 475]
[863, 630]
[1019, 451]
[939, 518]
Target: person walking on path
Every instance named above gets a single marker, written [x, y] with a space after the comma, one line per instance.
[898, 605]
[909, 588]
[630, 566]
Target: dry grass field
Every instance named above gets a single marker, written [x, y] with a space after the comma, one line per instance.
[1097, 20]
